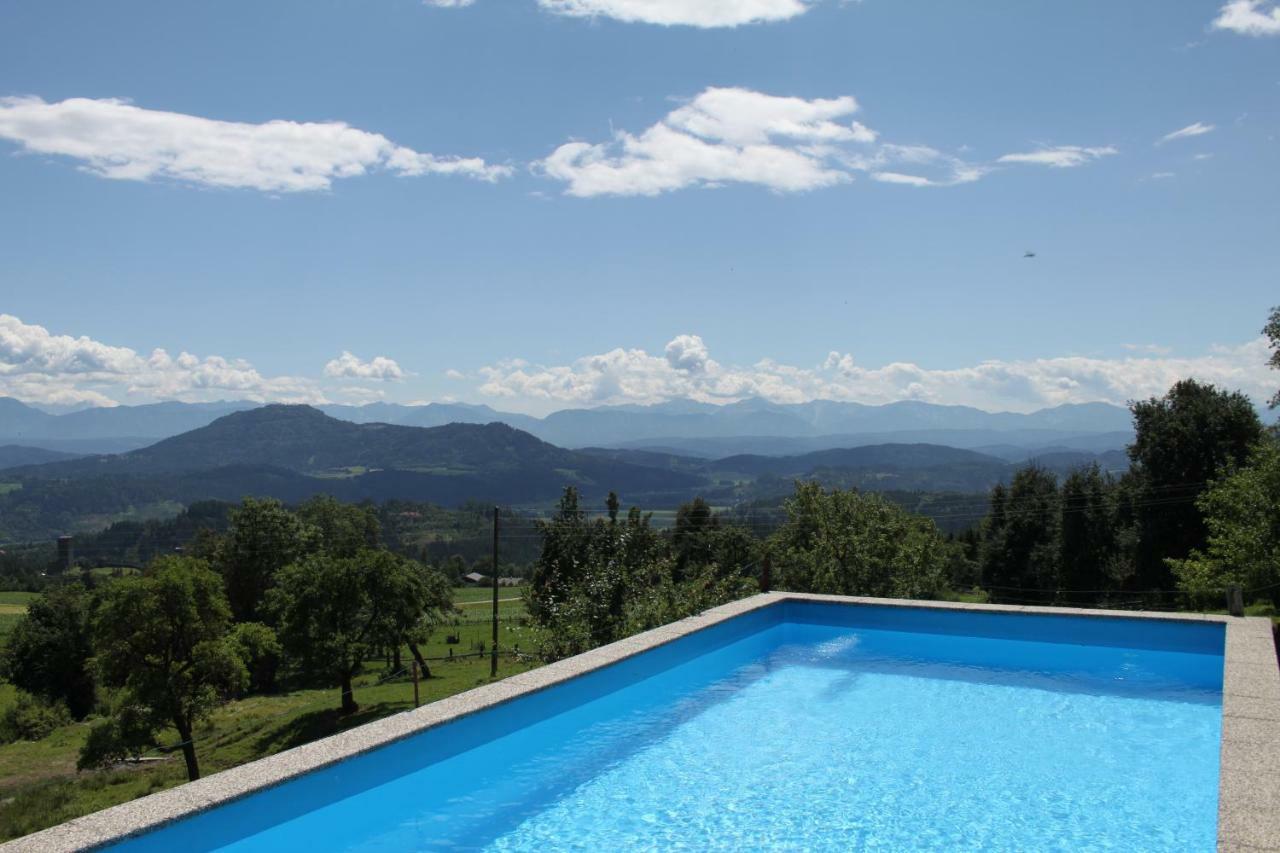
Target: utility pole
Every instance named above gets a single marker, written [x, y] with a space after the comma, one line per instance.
[493, 652]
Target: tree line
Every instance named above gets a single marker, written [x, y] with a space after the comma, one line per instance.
[309, 594]
[1168, 532]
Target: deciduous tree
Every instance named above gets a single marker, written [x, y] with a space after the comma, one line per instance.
[161, 640]
[49, 651]
[847, 543]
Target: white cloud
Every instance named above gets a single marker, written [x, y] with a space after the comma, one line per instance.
[454, 374]
[1249, 17]
[115, 139]
[689, 354]
[1059, 157]
[348, 366]
[734, 135]
[635, 376]
[899, 178]
[694, 13]
[1197, 129]
[449, 4]
[39, 366]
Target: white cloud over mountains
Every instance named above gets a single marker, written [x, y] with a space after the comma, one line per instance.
[686, 371]
[786, 144]
[39, 366]
[1249, 17]
[348, 366]
[115, 139]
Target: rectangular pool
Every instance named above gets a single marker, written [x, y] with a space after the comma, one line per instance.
[799, 725]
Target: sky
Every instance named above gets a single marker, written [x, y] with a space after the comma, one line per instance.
[544, 204]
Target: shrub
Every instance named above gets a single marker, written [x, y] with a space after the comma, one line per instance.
[31, 718]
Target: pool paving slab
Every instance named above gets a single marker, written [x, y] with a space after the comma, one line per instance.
[1248, 788]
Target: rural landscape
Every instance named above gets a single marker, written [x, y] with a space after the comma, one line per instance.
[352, 577]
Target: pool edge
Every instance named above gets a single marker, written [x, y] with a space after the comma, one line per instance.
[1249, 780]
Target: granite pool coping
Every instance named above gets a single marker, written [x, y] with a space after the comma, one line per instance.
[1249, 784]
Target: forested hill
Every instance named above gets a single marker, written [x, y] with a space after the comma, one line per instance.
[908, 456]
[294, 452]
[305, 440]
[15, 455]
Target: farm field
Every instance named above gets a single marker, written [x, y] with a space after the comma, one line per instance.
[13, 605]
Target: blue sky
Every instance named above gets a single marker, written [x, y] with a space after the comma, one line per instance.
[549, 203]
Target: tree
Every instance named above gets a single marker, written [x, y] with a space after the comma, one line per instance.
[693, 537]
[1242, 514]
[597, 581]
[264, 538]
[1020, 537]
[1087, 535]
[1193, 434]
[566, 550]
[161, 639]
[336, 612]
[341, 529]
[847, 543]
[48, 653]
[259, 650]
[436, 602]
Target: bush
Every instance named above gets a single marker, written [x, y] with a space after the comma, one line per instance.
[31, 718]
[126, 734]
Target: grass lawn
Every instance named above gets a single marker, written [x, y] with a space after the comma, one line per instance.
[39, 785]
[13, 606]
[469, 595]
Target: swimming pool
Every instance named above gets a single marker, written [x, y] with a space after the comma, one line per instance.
[800, 724]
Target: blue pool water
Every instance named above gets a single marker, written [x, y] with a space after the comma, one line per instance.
[801, 726]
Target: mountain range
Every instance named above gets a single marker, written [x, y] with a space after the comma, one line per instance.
[294, 452]
[699, 429]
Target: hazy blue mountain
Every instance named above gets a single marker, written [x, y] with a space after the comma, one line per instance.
[1012, 445]
[153, 421]
[429, 415]
[18, 420]
[14, 455]
[749, 426]
[829, 423]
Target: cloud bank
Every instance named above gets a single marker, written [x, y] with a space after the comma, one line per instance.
[115, 139]
[41, 367]
[686, 370]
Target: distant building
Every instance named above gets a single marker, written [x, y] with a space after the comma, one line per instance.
[479, 579]
[66, 553]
